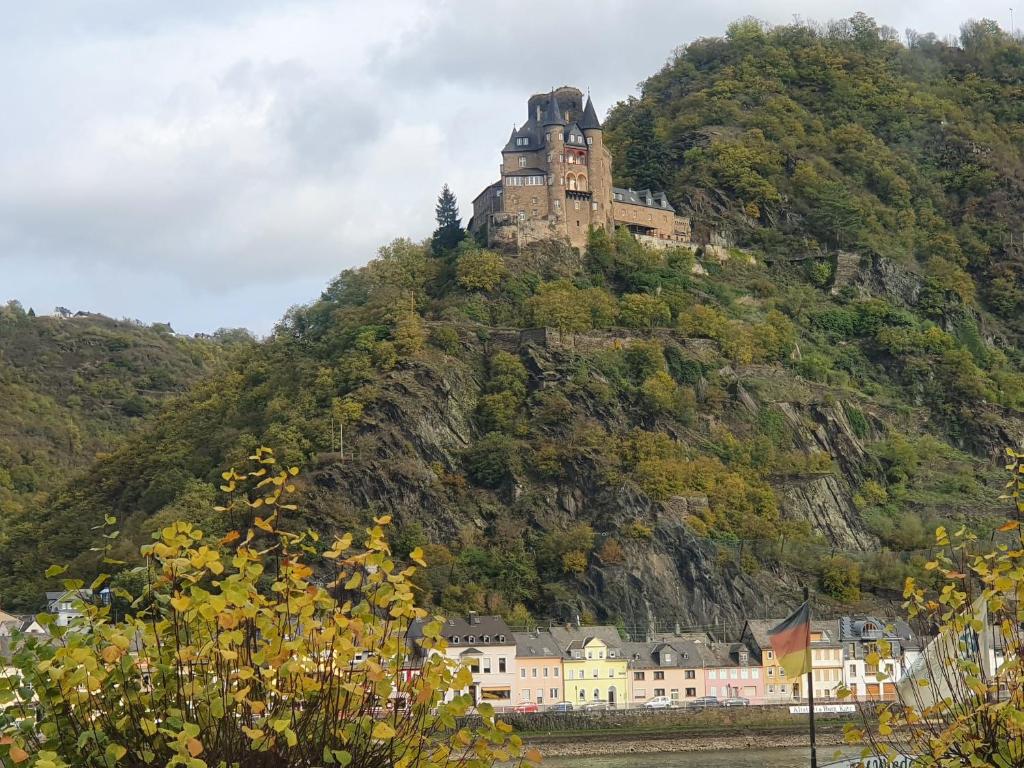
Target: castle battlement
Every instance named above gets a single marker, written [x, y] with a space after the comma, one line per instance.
[556, 182]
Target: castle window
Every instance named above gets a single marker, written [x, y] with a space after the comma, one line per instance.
[590, 140]
[522, 161]
[522, 141]
[577, 204]
[593, 206]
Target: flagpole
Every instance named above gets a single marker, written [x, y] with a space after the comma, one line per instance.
[810, 681]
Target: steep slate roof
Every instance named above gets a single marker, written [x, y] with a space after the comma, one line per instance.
[759, 631]
[642, 197]
[552, 112]
[536, 645]
[589, 120]
[456, 626]
[574, 130]
[528, 130]
[685, 655]
[564, 635]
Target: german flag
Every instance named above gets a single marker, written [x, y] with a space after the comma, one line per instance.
[791, 641]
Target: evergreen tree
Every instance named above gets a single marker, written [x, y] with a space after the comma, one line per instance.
[449, 232]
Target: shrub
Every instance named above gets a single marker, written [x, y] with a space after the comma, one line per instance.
[840, 579]
[445, 338]
[478, 270]
[492, 460]
[641, 310]
[222, 661]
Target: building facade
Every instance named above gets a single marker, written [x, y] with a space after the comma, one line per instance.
[671, 669]
[538, 669]
[487, 647]
[869, 678]
[556, 183]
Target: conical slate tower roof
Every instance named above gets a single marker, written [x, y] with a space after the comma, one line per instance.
[589, 120]
[552, 114]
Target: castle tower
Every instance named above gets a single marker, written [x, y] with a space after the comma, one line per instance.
[553, 124]
[599, 166]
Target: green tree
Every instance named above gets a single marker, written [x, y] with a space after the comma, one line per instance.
[449, 232]
[641, 310]
[479, 270]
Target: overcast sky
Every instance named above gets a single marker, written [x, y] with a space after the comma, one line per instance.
[210, 163]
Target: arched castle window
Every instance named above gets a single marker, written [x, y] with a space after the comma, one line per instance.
[581, 183]
[571, 181]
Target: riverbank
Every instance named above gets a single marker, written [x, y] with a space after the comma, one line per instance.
[591, 747]
[623, 733]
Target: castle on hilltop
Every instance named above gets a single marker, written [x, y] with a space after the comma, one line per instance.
[556, 183]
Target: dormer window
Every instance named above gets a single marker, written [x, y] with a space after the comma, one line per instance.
[471, 639]
[486, 638]
[668, 658]
[455, 639]
[522, 141]
[501, 638]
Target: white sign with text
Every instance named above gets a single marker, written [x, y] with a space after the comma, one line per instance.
[874, 761]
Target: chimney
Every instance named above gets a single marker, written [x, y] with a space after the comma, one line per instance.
[678, 631]
[473, 618]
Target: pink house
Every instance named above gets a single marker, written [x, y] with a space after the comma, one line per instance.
[730, 673]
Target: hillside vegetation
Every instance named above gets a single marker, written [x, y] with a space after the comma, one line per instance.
[71, 388]
[693, 434]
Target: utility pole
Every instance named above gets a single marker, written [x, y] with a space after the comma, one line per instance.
[810, 682]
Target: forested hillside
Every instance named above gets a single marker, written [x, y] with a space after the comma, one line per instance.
[656, 436]
[71, 387]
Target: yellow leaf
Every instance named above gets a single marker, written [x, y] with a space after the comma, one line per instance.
[417, 557]
[355, 581]
[181, 602]
[382, 731]
[263, 525]
[17, 754]
[382, 520]
[194, 747]
[293, 471]
[110, 654]
[116, 751]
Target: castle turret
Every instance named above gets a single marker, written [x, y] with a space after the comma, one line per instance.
[599, 166]
[554, 139]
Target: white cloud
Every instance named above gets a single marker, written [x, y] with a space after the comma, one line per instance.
[210, 164]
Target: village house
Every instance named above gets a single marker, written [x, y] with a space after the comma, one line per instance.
[555, 182]
[826, 659]
[860, 637]
[538, 669]
[487, 647]
[671, 669]
[594, 668]
[731, 673]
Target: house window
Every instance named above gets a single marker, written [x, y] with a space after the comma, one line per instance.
[501, 664]
[554, 693]
[659, 691]
[659, 675]
[522, 141]
[540, 696]
[691, 674]
[522, 673]
[593, 206]
[668, 658]
[595, 672]
[545, 671]
[755, 673]
[744, 674]
[712, 674]
[526, 694]
[638, 675]
[455, 640]
[639, 693]
[771, 689]
[583, 695]
[486, 638]
[534, 671]
[487, 666]
[501, 638]
[577, 204]
[771, 671]
[556, 671]
[590, 139]
[597, 695]
[712, 691]
[471, 639]
[522, 161]
[590, 654]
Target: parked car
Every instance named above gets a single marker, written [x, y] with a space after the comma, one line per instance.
[525, 707]
[594, 705]
[658, 702]
[562, 706]
[736, 701]
[704, 702]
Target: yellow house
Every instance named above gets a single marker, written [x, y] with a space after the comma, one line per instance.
[594, 671]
